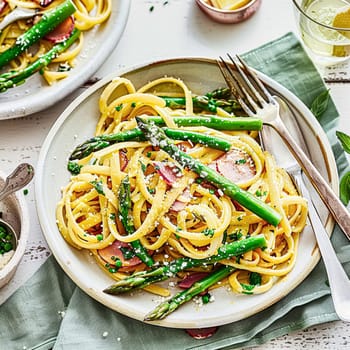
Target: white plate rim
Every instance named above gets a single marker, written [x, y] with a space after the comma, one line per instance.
[168, 322]
[27, 105]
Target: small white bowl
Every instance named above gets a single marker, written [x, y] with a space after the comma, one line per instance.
[229, 16]
[15, 212]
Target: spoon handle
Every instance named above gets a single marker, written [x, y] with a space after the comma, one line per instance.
[20, 177]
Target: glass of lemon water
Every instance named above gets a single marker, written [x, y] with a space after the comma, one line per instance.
[325, 29]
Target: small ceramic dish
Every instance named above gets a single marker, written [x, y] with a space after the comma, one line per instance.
[229, 16]
[14, 211]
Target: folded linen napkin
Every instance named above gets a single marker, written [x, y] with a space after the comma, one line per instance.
[33, 317]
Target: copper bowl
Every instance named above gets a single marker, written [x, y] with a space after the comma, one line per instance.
[229, 16]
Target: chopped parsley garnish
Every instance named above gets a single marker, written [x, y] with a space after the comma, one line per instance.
[143, 167]
[240, 161]
[236, 235]
[255, 279]
[208, 232]
[127, 253]
[98, 185]
[258, 193]
[119, 107]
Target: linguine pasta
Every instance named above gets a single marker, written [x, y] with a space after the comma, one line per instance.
[174, 211]
[88, 14]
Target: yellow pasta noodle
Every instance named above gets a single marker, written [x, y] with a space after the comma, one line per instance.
[174, 212]
[88, 14]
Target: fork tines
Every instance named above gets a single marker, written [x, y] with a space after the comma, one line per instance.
[244, 84]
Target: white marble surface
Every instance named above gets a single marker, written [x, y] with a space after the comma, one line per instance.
[174, 28]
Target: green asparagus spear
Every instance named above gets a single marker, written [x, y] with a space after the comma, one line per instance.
[14, 78]
[180, 298]
[144, 278]
[208, 102]
[158, 138]
[49, 21]
[218, 123]
[124, 208]
[214, 122]
[103, 141]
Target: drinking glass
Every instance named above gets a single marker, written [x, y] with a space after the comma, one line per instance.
[325, 43]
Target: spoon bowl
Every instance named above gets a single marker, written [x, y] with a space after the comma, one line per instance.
[17, 14]
[19, 178]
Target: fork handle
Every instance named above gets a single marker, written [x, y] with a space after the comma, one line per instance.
[330, 199]
[338, 280]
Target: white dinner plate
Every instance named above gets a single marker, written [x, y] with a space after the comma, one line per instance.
[36, 95]
[77, 123]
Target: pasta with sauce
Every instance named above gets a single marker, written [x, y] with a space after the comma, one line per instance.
[175, 212]
[88, 14]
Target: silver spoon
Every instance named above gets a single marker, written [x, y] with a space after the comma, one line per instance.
[17, 14]
[19, 178]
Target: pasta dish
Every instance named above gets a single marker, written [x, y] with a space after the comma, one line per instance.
[48, 39]
[141, 203]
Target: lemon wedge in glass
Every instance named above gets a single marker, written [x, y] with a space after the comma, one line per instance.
[229, 4]
[342, 20]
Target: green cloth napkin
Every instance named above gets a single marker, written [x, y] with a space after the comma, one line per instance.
[33, 317]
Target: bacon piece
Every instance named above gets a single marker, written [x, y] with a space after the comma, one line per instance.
[113, 251]
[236, 165]
[44, 3]
[62, 31]
[181, 202]
[202, 333]
[189, 280]
[168, 174]
[123, 160]
[3, 4]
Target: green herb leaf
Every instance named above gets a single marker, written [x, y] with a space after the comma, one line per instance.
[255, 279]
[320, 103]
[208, 232]
[345, 188]
[98, 186]
[247, 288]
[127, 253]
[344, 140]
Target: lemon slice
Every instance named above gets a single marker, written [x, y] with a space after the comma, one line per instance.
[342, 20]
[229, 4]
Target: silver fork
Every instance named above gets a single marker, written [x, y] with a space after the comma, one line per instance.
[244, 84]
[338, 280]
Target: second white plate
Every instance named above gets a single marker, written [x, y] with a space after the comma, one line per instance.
[35, 95]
